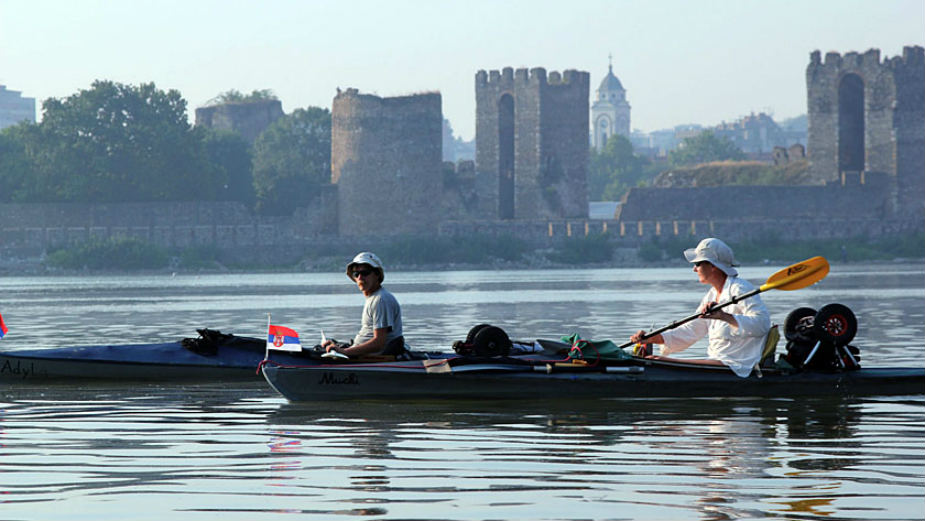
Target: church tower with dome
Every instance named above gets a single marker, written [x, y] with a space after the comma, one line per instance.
[610, 112]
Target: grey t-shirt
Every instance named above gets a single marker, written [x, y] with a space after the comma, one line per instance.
[381, 310]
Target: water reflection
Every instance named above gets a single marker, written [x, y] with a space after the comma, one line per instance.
[706, 458]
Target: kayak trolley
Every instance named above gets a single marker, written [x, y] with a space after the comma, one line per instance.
[820, 339]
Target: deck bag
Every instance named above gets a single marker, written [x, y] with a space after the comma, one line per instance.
[592, 350]
[209, 340]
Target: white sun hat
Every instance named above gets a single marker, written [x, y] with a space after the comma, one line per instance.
[368, 258]
[716, 252]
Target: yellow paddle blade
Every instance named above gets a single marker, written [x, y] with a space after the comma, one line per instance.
[799, 275]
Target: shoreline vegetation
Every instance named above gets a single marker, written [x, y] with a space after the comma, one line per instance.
[129, 255]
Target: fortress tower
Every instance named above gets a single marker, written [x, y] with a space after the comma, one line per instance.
[249, 119]
[868, 115]
[386, 159]
[532, 143]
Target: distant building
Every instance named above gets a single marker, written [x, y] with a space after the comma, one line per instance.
[753, 134]
[14, 108]
[610, 113]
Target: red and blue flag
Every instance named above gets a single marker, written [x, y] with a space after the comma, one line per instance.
[3, 328]
[282, 338]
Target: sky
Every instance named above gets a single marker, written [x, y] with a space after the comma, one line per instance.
[681, 61]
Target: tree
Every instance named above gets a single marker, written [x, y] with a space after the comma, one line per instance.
[292, 160]
[614, 170]
[15, 166]
[236, 96]
[705, 147]
[117, 142]
[227, 156]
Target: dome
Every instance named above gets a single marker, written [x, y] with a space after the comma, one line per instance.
[610, 82]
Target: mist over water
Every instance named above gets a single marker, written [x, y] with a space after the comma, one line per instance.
[155, 451]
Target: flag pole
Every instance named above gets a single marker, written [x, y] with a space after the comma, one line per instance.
[266, 355]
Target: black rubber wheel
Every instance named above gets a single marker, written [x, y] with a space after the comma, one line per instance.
[470, 338]
[835, 323]
[492, 341]
[799, 325]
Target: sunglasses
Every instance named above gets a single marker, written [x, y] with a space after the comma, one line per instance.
[361, 273]
[700, 263]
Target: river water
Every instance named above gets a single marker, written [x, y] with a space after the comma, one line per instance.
[189, 452]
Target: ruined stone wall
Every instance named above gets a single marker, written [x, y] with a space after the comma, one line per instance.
[893, 119]
[32, 229]
[550, 141]
[386, 160]
[247, 119]
[633, 233]
[854, 195]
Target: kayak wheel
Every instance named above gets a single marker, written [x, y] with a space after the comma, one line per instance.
[835, 323]
[492, 341]
[799, 325]
[470, 338]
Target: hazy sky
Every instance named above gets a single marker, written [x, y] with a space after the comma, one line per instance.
[692, 61]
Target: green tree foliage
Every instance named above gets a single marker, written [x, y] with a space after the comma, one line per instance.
[112, 142]
[615, 169]
[121, 253]
[705, 147]
[235, 96]
[228, 157]
[15, 165]
[116, 142]
[292, 160]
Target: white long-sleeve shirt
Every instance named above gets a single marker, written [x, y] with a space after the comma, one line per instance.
[739, 348]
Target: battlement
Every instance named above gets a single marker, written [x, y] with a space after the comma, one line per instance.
[352, 96]
[508, 77]
[913, 55]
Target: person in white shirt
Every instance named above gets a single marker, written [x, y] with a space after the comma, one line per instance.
[737, 332]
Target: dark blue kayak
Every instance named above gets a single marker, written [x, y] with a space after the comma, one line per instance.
[520, 378]
[214, 358]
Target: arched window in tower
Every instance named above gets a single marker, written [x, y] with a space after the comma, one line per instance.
[851, 124]
[506, 157]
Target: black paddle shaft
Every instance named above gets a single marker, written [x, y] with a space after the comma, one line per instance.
[685, 320]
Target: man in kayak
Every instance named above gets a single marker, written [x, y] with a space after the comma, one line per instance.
[380, 327]
[737, 332]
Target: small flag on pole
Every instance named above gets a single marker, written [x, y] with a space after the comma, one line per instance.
[3, 328]
[282, 338]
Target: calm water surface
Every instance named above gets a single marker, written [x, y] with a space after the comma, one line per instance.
[133, 452]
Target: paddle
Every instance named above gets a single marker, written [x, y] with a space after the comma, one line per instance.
[796, 276]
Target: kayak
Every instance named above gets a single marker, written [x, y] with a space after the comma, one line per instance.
[212, 356]
[533, 378]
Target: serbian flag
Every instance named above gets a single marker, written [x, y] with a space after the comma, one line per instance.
[3, 329]
[282, 338]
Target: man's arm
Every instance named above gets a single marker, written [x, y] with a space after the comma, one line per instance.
[372, 346]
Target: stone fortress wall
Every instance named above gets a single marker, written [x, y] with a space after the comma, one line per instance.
[386, 160]
[248, 119]
[866, 138]
[532, 143]
[868, 115]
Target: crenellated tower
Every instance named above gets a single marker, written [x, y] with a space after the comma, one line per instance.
[868, 116]
[532, 143]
